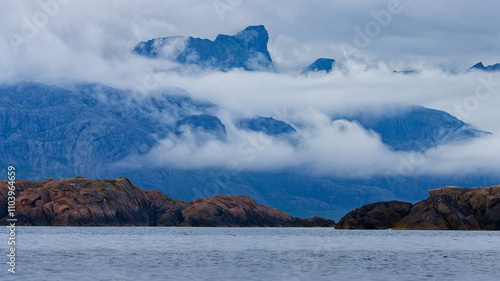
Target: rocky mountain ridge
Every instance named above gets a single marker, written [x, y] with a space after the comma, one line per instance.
[246, 50]
[489, 68]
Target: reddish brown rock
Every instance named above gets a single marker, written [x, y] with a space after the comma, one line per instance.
[375, 216]
[231, 210]
[81, 201]
[456, 208]
[447, 208]
[316, 222]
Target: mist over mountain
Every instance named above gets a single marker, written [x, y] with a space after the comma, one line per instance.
[247, 49]
[417, 128]
[322, 64]
[489, 68]
[98, 131]
[267, 125]
[197, 117]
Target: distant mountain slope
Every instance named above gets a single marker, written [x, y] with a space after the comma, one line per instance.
[204, 126]
[53, 131]
[247, 50]
[267, 125]
[86, 129]
[322, 64]
[489, 68]
[406, 72]
[416, 128]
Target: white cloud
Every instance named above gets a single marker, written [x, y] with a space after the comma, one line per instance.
[92, 41]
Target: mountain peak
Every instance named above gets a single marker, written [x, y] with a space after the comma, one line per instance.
[247, 49]
[479, 65]
[255, 27]
[489, 68]
[321, 64]
[258, 28]
[256, 36]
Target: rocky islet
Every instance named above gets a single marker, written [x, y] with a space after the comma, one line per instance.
[89, 202]
[447, 208]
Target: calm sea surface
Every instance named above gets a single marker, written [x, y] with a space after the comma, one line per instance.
[147, 253]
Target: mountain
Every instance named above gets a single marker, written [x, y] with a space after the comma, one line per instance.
[97, 131]
[82, 129]
[89, 202]
[489, 68]
[267, 125]
[204, 126]
[247, 49]
[407, 72]
[415, 128]
[322, 64]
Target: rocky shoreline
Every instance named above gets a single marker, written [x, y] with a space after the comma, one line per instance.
[447, 208]
[88, 202]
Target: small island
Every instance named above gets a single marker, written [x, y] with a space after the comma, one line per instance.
[447, 208]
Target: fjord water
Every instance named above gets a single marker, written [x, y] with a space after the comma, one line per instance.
[149, 253]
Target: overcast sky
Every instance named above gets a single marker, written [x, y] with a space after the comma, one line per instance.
[90, 41]
[451, 34]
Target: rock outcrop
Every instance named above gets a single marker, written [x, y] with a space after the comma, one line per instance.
[456, 208]
[447, 208]
[89, 202]
[223, 210]
[315, 222]
[375, 216]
